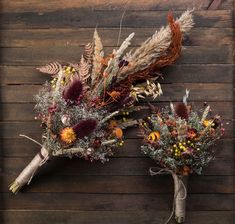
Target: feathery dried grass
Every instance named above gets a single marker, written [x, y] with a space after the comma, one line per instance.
[155, 46]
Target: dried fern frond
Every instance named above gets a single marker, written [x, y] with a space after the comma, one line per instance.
[52, 68]
[88, 51]
[83, 71]
[98, 55]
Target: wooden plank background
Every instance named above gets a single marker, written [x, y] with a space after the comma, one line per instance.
[36, 32]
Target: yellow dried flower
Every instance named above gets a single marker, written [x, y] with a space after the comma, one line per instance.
[154, 136]
[206, 123]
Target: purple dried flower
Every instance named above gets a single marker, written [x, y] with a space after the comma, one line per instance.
[181, 110]
[123, 63]
[73, 92]
[85, 127]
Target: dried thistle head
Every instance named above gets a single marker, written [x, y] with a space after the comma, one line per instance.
[85, 128]
[73, 92]
[181, 110]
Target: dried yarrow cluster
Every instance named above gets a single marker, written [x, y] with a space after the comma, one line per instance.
[180, 139]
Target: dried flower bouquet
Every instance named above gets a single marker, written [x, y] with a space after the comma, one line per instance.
[81, 109]
[180, 140]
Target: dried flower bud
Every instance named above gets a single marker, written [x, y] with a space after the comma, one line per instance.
[73, 92]
[181, 110]
[85, 127]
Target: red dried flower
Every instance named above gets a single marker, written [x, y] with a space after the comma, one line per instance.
[85, 127]
[73, 92]
[181, 110]
[192, 133]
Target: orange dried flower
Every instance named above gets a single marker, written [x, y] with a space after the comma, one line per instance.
[118, 132]
[192, 133]
[68, 135]
[154, 136]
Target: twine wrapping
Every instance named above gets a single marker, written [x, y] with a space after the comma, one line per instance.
[180, 193]
[28, 172]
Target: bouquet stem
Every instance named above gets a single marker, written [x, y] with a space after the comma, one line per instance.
[180, 184]
[28, 172]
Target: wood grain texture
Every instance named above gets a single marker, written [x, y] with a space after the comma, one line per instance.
[67, 191]
[80, 36]
[83, 18]
[114, 217]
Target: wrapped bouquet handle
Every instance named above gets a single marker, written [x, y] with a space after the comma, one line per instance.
[180, 188]
[180, 193]
[29, 171]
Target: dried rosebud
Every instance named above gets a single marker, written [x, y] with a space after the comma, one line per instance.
[181, 110]
[85, 127]
[73, 92]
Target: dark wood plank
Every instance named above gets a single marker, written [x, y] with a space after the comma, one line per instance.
[214, 4]
[172, 92]
[193, 73]
[80, 36]
[41, 55]
[227, 4]
[19, 147]
[114, 217]
[159, 5]
[124, 184]
[114, 202]
[25, 111]
[83, 18]
[116, 166]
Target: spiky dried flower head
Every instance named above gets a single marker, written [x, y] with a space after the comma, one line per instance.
[85, 128]
[181, 110]
[73, 92]
[68, 135]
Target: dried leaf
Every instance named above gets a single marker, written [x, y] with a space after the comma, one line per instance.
[52, 68]
[88, 51]
[83, 71]
[97, 57]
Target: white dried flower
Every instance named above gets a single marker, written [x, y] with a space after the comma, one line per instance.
[65, 119]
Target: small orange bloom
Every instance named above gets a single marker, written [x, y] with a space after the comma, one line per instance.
[154, 136]
[68, 135]
[191, 133]
[118, 132]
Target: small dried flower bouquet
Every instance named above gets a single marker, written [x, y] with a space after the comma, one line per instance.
[81, 109]
[179, 139]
